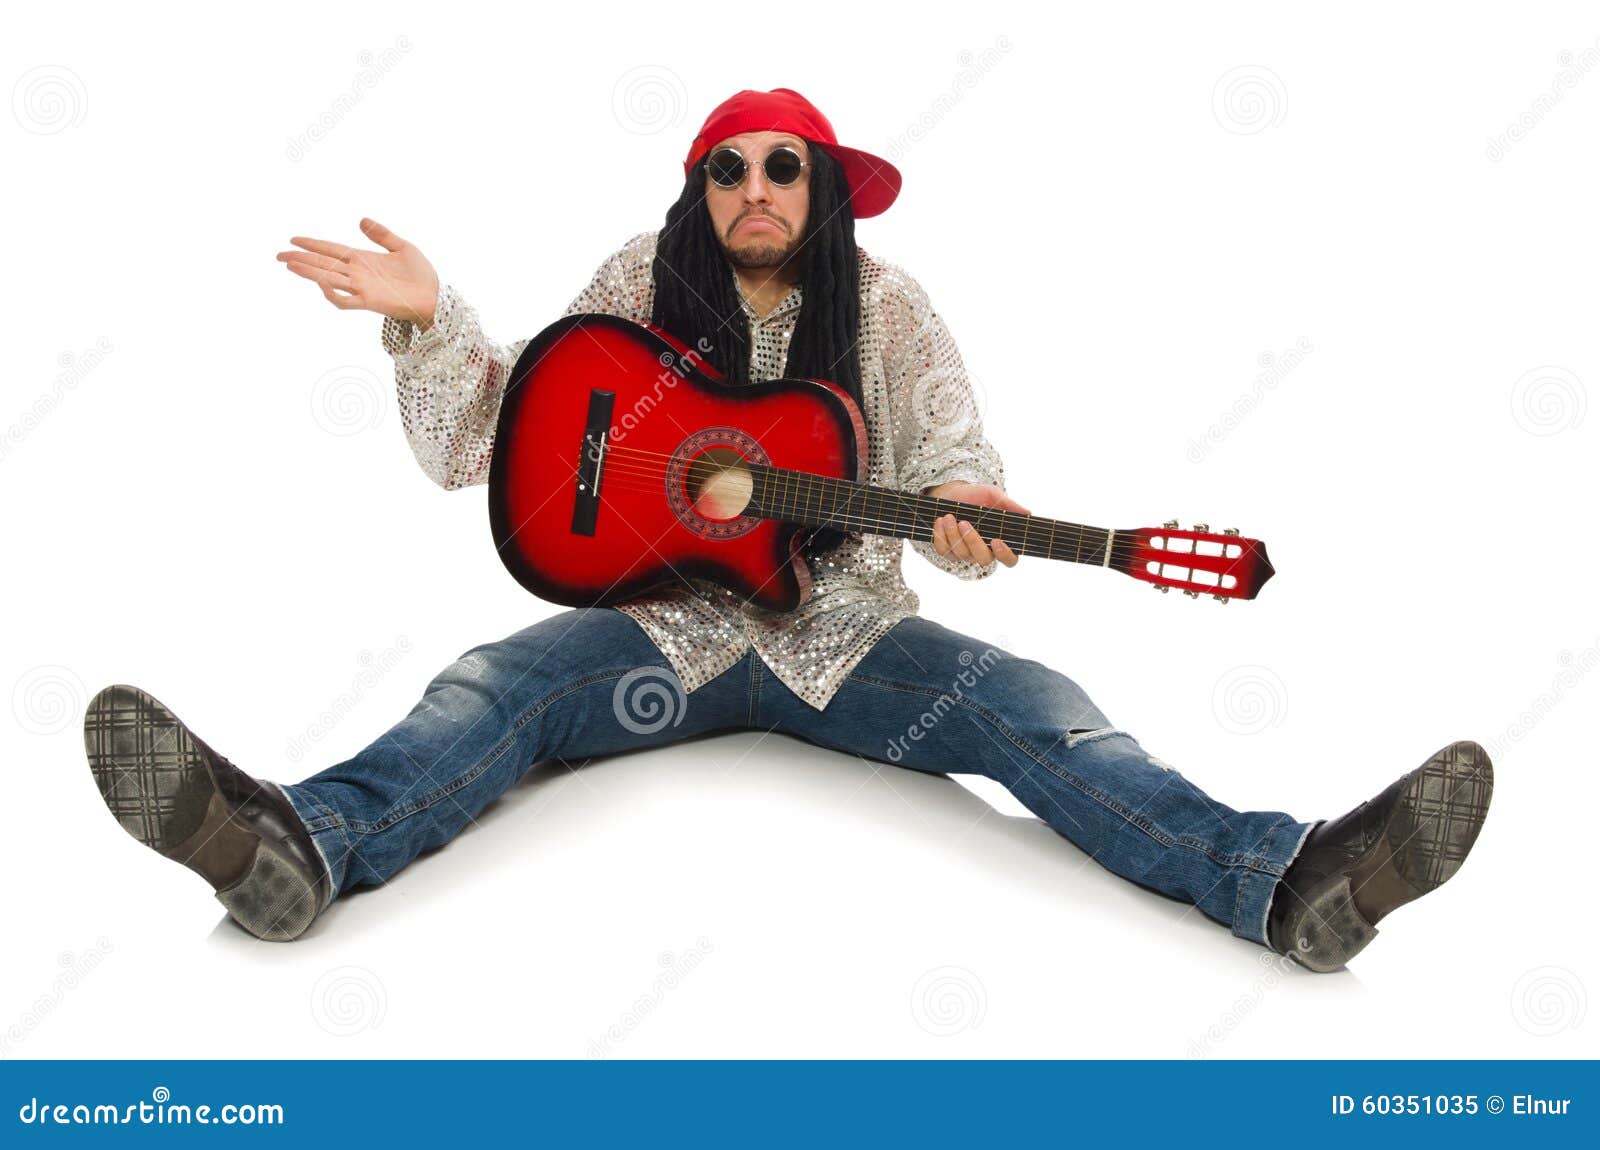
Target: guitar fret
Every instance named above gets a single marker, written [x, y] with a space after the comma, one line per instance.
[815, 500]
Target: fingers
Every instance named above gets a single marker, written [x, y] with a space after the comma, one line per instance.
[976, 549]
[379, 234]
[322, 247]
[325, 276]
[307, 259]
[345, 302]
[949, 538]
[336, 274]
[962, 541]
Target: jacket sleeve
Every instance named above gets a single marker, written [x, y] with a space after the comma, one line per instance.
[450, 379]
[935, 416]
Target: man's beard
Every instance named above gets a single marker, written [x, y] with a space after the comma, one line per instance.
[761, 252]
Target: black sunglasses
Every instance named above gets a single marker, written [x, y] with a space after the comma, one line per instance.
[782, 166]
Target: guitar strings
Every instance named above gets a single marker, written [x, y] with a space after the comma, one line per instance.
[881, 517]
[699, 466]
[806, 488]
[646, 478]
[1122, 547]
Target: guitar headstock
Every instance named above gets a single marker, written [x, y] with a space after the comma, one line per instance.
[1223, 565]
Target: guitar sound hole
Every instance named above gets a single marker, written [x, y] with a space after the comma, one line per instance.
[718, 484]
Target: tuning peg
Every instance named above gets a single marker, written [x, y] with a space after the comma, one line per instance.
[1223, 598]
[1169, 524]
[1191, 594]
[1230, 531]
[1162, 587]
[1202, 527]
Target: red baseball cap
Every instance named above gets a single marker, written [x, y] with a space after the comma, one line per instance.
[874, 182]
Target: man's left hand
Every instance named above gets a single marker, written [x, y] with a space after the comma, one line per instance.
[959, 538]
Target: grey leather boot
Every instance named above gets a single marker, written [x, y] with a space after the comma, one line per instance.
[179, 797]
[1353, 870]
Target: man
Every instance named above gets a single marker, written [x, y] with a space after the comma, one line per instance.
[757, 264]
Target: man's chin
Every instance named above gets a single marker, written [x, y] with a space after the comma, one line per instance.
[757, 254]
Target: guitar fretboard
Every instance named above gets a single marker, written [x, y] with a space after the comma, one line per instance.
[819, 501]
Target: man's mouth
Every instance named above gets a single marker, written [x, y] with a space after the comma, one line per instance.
[759, 221]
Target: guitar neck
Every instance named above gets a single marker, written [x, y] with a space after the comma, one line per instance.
[819, 501]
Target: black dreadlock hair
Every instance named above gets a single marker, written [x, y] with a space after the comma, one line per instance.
[696, 297]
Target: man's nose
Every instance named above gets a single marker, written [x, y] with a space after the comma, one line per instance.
[756, 188]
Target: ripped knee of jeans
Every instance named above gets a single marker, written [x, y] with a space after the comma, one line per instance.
[1076, 735]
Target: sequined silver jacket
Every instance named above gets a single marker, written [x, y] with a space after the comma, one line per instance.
[923, 429]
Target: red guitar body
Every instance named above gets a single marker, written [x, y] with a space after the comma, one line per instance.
[663, 404]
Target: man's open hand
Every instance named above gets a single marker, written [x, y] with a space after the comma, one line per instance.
[960, 539]
[398, 282]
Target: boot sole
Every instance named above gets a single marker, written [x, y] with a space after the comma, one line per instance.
[1425, 840]
[158, 784]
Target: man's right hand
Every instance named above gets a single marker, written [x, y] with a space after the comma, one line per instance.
[398, 282]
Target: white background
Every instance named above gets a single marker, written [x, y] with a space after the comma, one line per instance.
[1128, 219]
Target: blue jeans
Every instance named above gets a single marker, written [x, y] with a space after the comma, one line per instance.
[590, 682]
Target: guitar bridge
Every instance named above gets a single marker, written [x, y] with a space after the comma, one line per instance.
[591, 461]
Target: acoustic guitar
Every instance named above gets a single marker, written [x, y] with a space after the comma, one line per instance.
[624, 462]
